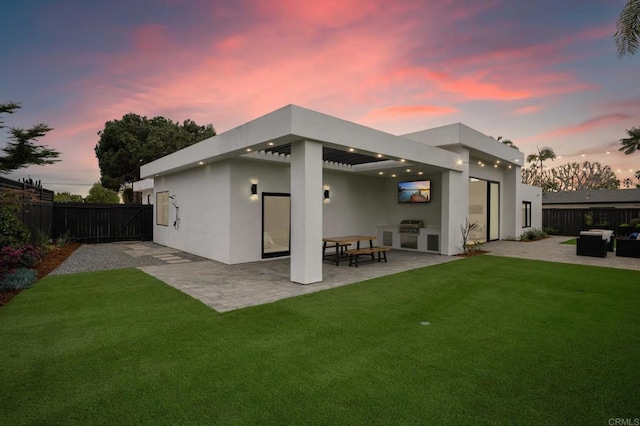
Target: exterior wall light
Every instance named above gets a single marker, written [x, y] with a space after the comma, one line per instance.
[254, 189]
[326, 194]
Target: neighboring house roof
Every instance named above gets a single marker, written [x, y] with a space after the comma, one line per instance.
[602, 196]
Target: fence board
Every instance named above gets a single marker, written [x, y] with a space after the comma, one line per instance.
[572, 221]
[99, 223]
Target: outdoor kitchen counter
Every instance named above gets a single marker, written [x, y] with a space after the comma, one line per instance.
[426, 240]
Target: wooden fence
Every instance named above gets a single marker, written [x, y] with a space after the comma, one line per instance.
[100, 223]
[572, 221]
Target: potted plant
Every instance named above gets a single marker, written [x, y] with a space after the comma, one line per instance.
[624, 229]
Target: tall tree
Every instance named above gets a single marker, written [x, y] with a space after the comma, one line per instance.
[627, 182]
[535, 173]
[588, 175]
[632, 143]
[22, 151]
[128, 143]
[627, 36]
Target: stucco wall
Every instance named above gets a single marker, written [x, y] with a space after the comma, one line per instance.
[202, 195]
[534, 195]
[246, 217]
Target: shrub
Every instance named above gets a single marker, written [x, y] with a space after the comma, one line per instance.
[12, 230]
[17, 257]
[63, 239]
[19, 279]
[533, 234]
[550, 231]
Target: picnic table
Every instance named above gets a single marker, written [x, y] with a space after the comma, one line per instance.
[342, 252]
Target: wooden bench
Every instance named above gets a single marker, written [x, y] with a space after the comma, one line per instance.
[355, 254]
[341, 249]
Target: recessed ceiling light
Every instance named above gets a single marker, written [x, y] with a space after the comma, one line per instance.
[379, 155]
[419, 173]
[408, 170]
[380, 173]
[509, 165]
[393, 175]
[402, 160]
[248, 149]
[351, 149]
[498, 162]
[495, 166]
[201, 163]
[270, 143]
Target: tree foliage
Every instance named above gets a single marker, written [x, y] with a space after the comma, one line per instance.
[100, 194]
[21, 150]
[632, 143]
[67, 197]
[507, 142]
[627, 36]
[588, 175]
[133, 140]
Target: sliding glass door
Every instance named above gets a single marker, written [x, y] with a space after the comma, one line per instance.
[276, 224]
[484, 210]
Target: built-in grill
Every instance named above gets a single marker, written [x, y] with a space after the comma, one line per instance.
[411, 226]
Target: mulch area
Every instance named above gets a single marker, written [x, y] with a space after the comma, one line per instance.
[50, 262]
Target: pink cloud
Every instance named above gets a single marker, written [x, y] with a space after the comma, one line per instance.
[530, 109]
[588, 125]
[411, 110]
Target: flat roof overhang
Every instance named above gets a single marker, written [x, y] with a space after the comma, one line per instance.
[361, 148]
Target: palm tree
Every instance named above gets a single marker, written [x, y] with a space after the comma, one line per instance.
[632, 143]
[627, 36]
[544, 154]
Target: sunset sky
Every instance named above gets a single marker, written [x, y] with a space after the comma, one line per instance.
[541, 73]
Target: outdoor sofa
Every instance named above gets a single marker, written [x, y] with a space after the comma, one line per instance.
[591, 245]
[627, 248]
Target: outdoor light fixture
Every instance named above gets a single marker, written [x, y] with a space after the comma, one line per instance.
[326, 194]
[254, 189]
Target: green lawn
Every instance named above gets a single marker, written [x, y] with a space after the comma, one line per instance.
[510, 341]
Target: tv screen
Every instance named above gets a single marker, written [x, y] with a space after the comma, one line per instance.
[417, 191]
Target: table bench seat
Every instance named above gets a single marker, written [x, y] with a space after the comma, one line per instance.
[355, 254]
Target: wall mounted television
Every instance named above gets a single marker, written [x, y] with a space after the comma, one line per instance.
[414, 192]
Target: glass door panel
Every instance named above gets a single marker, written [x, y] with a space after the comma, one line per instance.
[276, 225]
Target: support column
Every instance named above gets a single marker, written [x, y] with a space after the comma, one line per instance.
[455, 206]
[306, 212]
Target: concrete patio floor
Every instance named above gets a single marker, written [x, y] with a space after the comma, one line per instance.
[229, 287]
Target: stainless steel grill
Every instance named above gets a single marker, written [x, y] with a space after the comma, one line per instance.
[411, 226]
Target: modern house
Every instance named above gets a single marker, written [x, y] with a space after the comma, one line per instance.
[277, 185]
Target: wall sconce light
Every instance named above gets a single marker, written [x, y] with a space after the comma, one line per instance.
[326, 194]
[254, 189]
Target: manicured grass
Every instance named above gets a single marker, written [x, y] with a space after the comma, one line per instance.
[509, 342]
[571, 242]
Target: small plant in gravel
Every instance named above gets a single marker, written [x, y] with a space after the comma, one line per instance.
[19, 279]
[533, 234]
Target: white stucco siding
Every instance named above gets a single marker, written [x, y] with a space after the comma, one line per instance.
[532, 194]
[356, 206]
[202, 196]
[246, 220]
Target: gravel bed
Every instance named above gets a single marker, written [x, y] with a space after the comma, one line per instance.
[99, 257]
